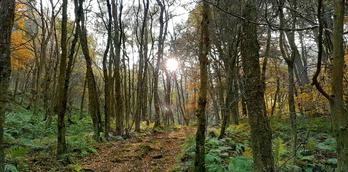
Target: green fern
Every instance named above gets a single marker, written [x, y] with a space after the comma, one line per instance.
[279, 149]
[240, 164]
[17, 152]
[11, 168]
[328, 145]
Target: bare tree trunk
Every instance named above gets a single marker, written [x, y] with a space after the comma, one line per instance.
[161, 39]
[107, 75]
[290, 61]
[91, 83]
[292, 110]
[168, 104]
[275, 99]
[116, 14]
[7, 13]
[62, 95]
[181, 101]
[83, 98]
[338, 111]
[202, 100]
[261, 134]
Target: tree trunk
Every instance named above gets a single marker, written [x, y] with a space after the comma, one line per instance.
[91, 83]
[202, 100]
[83, 98]
[107, 89]
[7, 13]
[181, 101]
[118, 35]
[161, 39]
[275, 99]
[290, 61]
[339, 114]
[292, 111]
[168, 104]
[62, 95]
[261, 134]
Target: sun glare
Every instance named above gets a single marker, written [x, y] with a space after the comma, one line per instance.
[172, 64]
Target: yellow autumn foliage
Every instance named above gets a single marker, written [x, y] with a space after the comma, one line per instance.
[20, 54]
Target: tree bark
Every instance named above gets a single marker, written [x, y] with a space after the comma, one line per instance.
[7, 13]
[161, 39]
[339, 114]
[202, 100]
[261, 134]
[290, 61]
[118, 34]
[107, 89]
[62, 95]
[91, 83]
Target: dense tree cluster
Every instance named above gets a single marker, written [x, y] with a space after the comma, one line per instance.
[236, 60]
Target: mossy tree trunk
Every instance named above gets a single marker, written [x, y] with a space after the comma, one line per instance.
[337, 106]
[62, 95]
[7, 12]
[339, 113]
[202, 99]
[261, 134]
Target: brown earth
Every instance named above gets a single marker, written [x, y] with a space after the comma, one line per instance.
[156, 152]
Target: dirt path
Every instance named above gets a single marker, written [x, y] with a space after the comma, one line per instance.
[156, 152]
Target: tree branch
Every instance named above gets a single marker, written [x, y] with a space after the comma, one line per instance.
[320, 53]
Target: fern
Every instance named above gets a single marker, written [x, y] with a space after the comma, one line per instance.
[11, 168]
[17, 152]
[279, 149]
[213, 142]
[328, 145]
[240, 164]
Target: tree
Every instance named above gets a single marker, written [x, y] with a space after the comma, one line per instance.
[161, 39]
[261, 134]
[336, 101]
[62, 93]
[7, 11]
[339, 113]
[117, 42]
[91, 82]
[204, 48]
[107, 83]
[290, 61]
[143, 65]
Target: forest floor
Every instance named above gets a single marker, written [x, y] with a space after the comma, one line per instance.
[153, 152]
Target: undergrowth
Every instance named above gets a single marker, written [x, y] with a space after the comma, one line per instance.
[29, 139]
[315, 152]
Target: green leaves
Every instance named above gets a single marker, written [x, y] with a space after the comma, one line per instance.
[316, 149]
[17, 152]
[222, 155]
[30, 137]
[11, 168]
[81, 145]
[328, 145]
[332, 161]
[240, 164]
[279, 149]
